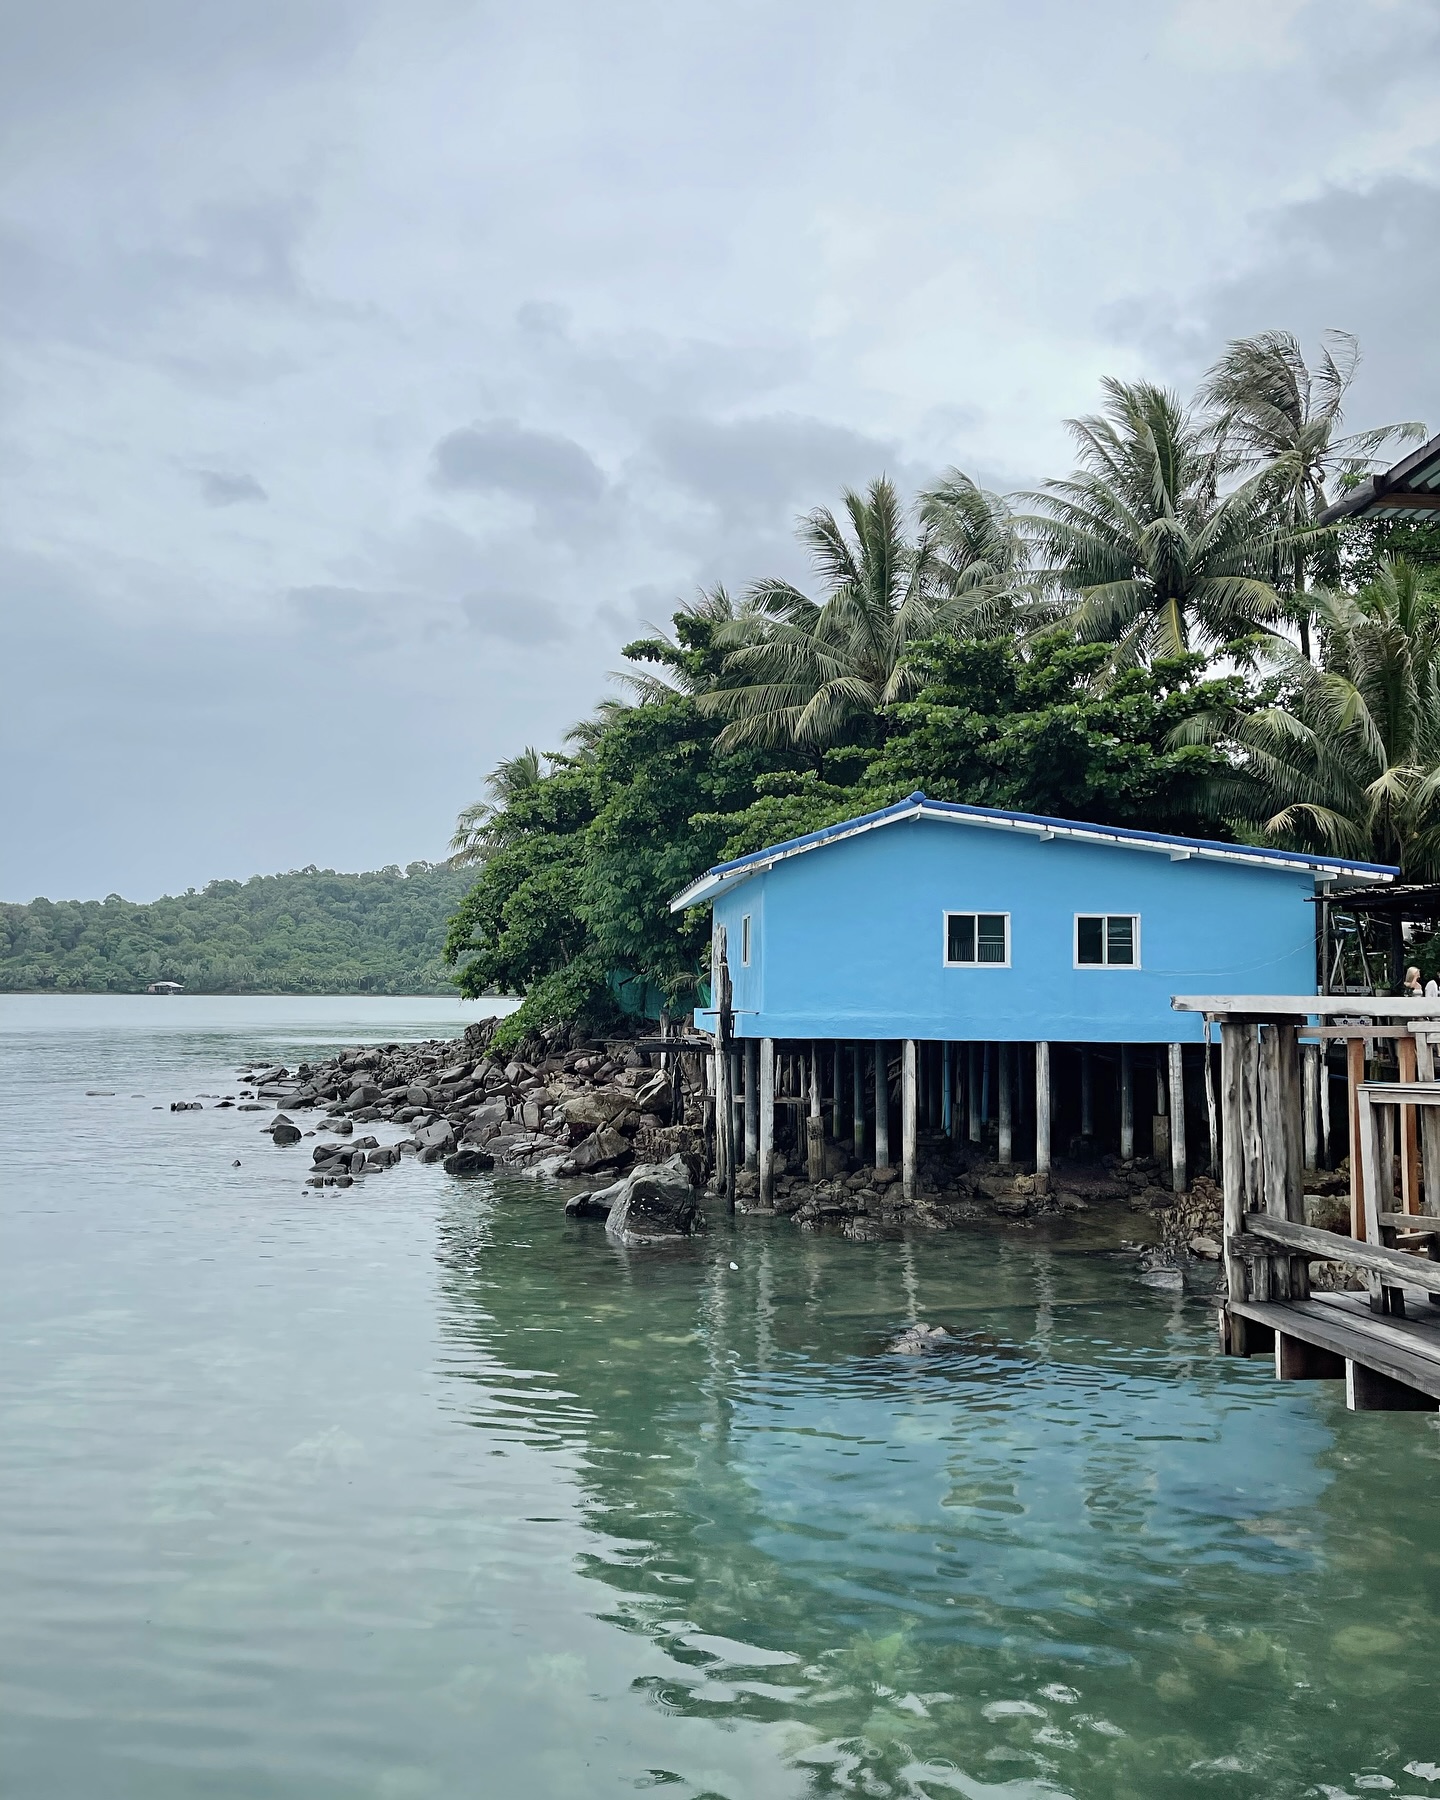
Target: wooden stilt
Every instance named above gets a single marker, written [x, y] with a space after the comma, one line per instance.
[1087, 1093]
[1212, 1120]
[1297, 1360]
[1311, 1060]
[947, 1098]
[1236, 1045]
[909, 1116]
[1007, 1128]
[752, 1103]
[882, 1105]
[1368, 1390]
[1355, 1074]
[837, 1106]
[815, 1125]
[1409, 1130]
[1327, 1154]
[857, 1098]
[1179, 1165]
[972, 1092]
[766, 1150]
[1042, 1118]
[724, 1071]
[1127, 1102]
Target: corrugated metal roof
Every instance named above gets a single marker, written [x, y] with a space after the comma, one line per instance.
[917, 805]
[1411, 490]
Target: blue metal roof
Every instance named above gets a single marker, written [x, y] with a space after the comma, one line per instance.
[918, 805]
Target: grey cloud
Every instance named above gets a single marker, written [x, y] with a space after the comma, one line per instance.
[217, 488]
[1361, 259]
[501, 456]
[514, 618]
[769, 464]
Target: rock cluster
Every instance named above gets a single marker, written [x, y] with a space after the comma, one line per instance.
[656, 1203]
[562, 1112]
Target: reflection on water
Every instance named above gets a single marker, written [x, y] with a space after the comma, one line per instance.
[421, 1490]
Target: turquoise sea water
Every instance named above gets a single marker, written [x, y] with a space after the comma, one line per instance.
[415, 1490]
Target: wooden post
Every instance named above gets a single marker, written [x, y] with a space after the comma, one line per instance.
[724, 1071]
[1355, 1074]
[1007, 1131]
[1178, 1165]
[857, 1097]
[909, 1116]
[752, 1103]
[972, 1092]
[1409, 1130]
[1211, 1118]
[1127, 1101]
[1325, 1150]
[815, 1125]
[1087, 1093]
[1042, 1118]
[837, 1108]
[1235, 1036]
[882, 1106]
[1429, 1128]
[947, 1098]
[1281, 1132]
[767, 1122]
[1311, 1055]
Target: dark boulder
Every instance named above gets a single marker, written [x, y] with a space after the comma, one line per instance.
[602, 1148]
[468, 1161]
[285, 1133]
[658, 1203]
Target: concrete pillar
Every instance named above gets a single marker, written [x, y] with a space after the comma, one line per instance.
[1042, 1118]
[857, 1097]
[1007, 1126]
[815, 1125]
[767, 1121]
[1127, 1103]
[882, 1106]
[1178, 1169]
[752, 1103]
[909, 1115]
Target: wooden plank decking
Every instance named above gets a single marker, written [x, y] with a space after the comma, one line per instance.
[1388, 1362]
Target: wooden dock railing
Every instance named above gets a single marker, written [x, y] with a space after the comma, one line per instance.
[1387, 1351]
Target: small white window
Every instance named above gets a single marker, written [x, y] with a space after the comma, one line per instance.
[976, 939]
[745, 940]
[1107, 940]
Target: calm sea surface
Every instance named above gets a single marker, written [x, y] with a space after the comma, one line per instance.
[415, 1490]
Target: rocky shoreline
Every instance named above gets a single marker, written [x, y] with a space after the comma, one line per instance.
[608, 1114]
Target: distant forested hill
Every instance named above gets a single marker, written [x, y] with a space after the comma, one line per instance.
[309, 932]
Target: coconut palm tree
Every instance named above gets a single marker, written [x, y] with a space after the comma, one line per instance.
[815, 672]
[979, 551]
[1272, 412]
[1143, 550]
[512, 776]
[1350, 763]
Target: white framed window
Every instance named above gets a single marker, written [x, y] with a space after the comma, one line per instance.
[977, 940]
[745, 941]
[1107, 940]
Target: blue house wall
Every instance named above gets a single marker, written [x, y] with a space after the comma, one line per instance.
[847, 940]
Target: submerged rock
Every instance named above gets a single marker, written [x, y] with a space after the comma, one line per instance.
[919, 1339]
[468, 1161]
[657, 1203]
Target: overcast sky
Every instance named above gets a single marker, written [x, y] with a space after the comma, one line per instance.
[371, 370]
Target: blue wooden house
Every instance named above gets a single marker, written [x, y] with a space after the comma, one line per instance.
[942, 937]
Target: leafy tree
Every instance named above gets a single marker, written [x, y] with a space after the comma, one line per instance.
[312, 931]
[512, 776]
[817, 673]
[1275, 414]
[1347, 759]
[1150, 556]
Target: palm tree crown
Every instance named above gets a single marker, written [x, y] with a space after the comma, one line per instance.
[808, 672]
[1148, 552]
[512, 776]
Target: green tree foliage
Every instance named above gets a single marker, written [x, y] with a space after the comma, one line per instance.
[1347, 759]
[1153, 558]
[311, 931]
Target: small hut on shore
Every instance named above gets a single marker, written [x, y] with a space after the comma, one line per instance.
[997, 976]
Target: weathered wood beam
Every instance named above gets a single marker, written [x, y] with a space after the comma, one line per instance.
[766, 1149]
[1006, 1137]
[1327, 1246]
[1042, 1118]
[882, 1106]
[1127, 1101]
[1179, 1159]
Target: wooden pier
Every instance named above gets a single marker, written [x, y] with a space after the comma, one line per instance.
[1382, 1340]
